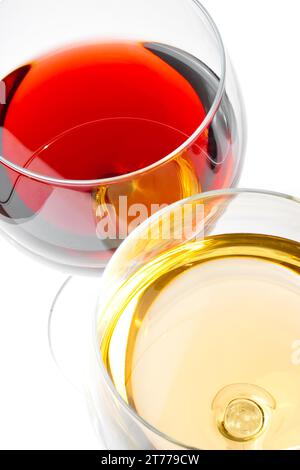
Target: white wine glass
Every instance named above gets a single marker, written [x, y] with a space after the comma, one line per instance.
[197, 335]
[196, 339]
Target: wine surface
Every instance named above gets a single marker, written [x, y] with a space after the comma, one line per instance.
[205, 343]
[75, 101]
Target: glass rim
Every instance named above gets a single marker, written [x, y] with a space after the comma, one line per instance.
[203, 196]
[204, 124]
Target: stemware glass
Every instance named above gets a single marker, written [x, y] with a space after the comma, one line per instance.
[260, 354]
[55, 212]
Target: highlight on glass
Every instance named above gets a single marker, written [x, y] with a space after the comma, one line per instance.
[109, 111]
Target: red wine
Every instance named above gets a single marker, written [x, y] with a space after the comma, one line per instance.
[101, 111]
[96, 84]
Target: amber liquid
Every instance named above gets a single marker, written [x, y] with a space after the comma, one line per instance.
[204, 343]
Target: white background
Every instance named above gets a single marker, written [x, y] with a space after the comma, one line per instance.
[38, 408]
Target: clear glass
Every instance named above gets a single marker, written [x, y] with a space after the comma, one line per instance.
[56, 218]
[225, 212]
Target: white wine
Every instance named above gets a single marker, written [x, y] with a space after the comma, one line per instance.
[204, 343]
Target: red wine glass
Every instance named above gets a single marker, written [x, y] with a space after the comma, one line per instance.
[109, 106]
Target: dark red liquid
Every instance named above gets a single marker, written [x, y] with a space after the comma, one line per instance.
[105, 110]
